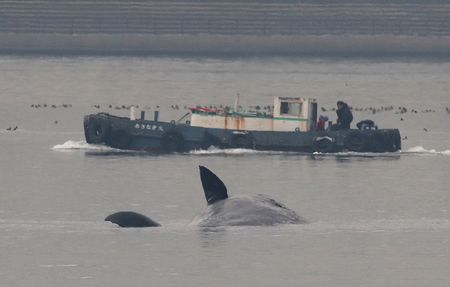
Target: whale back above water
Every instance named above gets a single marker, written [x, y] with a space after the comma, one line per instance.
[131, 219]
[239, 210]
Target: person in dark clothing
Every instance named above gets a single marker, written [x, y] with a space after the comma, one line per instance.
[345, 117]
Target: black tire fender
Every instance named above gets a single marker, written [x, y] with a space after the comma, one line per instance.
[86, 121]
[356, 141]
[240, 140]
[209, 140]
[172, 141]
[120, 139]
[324, 144]
[99, 131]
[379, 142]
[394, 135]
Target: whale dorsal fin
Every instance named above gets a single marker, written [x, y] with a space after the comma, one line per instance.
[214, 188]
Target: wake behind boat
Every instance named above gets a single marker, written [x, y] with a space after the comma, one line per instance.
[292, 126]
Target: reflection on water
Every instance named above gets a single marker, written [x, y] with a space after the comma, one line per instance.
[212, 237]
[101, 150]
[126, 153]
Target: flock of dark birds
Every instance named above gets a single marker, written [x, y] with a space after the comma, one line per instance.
[371, 110]
[400, 110]
[51, 106]
[268, 109]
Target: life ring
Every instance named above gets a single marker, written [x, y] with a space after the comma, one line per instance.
[98, 131]
[172, 141]
[378, 142]
[356, 141]
[120, 139]
[324, 144]
[240, 141]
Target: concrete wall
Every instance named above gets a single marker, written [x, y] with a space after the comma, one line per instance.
[218, 27]
[224, 44]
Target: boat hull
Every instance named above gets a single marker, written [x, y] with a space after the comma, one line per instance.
[166, 137]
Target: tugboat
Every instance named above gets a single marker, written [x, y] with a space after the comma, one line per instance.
[292, 126]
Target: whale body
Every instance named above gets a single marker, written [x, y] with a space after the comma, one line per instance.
[131, 219]
[222, 210]
[239, 210]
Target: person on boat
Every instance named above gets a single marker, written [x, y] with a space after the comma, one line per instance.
[345, 117]
[321, 123]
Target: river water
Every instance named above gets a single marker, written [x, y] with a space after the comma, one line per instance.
[374, 219]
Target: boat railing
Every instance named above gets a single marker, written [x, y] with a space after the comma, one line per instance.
[231, 112]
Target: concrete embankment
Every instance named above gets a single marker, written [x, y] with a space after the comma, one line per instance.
[129, 44]
[231, 27]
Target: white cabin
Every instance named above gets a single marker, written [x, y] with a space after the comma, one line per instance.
[289, 114]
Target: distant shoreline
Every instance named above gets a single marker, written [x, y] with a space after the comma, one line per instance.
[223, 45]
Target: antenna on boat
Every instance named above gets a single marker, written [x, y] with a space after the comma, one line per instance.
[236, 103]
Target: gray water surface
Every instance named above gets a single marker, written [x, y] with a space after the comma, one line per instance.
[375, 219]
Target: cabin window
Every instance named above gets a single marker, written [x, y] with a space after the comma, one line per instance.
[293, 109]
[284, 108]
